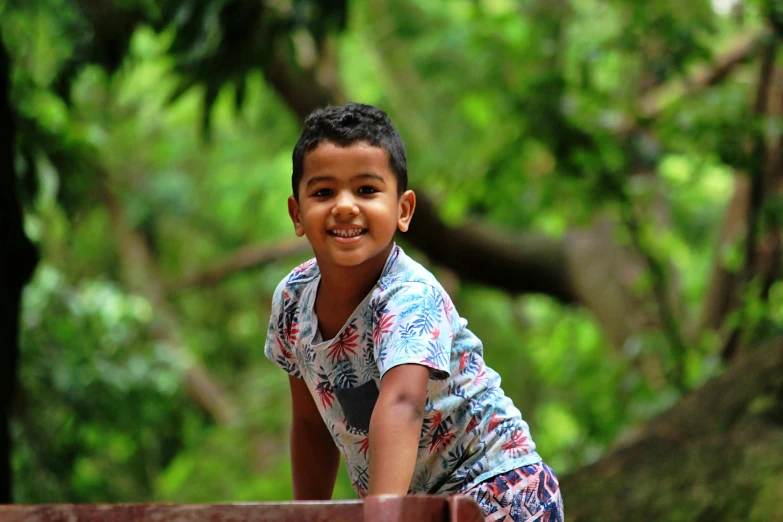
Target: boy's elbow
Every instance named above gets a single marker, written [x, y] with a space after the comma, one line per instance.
[404, 392]
[405, 405]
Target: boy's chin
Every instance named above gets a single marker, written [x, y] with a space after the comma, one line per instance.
[348, 260]
[354, 258]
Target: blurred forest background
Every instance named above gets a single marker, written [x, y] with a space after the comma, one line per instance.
[600, 186]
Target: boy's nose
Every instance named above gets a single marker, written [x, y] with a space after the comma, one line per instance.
[345, 205]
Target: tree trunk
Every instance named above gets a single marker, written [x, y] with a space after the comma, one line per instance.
[18, 258]
[715, 456]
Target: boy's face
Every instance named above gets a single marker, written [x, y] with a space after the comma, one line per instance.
[348, 204]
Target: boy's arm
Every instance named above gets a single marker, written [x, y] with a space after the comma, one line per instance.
[395, 428]
[314, 457]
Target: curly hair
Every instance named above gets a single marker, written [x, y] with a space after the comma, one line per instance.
[345, 125]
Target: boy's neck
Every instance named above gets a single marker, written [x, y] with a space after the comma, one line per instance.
[348, 286]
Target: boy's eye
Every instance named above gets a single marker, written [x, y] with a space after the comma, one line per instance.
[322, 193]
[367, 190]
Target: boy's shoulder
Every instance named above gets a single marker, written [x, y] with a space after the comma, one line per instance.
[302, 274]
[297, 279]
[401, 269]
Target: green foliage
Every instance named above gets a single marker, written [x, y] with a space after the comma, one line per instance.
[98, 395]
[510, 115]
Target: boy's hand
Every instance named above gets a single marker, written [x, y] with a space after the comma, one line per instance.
[395, 428]
[314, 457]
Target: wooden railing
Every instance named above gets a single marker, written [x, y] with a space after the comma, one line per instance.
[373, 509]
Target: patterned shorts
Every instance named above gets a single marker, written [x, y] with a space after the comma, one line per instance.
[524, 494]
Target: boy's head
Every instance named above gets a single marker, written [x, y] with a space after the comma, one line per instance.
[345, 125]
[349, 182]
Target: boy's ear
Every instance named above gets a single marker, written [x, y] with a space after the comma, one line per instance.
[407, 205]
[293, 211]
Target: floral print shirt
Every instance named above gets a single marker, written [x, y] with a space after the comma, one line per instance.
[471, 430]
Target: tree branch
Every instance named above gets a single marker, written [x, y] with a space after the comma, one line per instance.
[740, 50]
[763, 160]
[301, 92]
[245, 258]
[660, 98]
[140, 276]
[529, 263]
[660, 288]
[535, 262]
[722, 283]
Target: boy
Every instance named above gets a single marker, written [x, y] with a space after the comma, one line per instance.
[382, 368]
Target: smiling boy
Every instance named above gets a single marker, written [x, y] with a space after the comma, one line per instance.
[381, 367]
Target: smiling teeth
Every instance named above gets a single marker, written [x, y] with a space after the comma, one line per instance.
[347, 233]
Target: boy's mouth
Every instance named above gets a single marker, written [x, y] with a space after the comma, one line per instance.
[348, 233]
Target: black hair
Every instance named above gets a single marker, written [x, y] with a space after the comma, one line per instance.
[345, 125]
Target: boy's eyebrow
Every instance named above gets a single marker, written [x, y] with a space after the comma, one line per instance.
[366, 175]
[370, 175]
[318, 179]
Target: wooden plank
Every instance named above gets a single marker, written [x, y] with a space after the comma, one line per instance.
[393, 508]
[384, 508]
[250, 512]
[464, 509]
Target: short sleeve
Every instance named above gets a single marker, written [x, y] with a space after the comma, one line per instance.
[411, 325]
[282, 331]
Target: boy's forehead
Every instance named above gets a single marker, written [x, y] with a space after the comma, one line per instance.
[334, 159]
